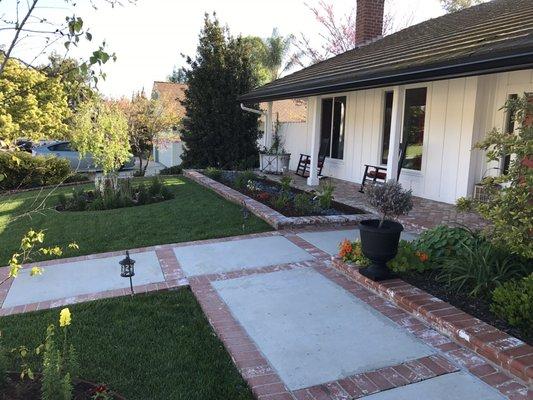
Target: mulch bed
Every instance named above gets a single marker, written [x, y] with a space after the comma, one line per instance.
[270, 189]
[475, 306]
[31, 389]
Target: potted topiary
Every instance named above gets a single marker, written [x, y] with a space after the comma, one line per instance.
[380, 237]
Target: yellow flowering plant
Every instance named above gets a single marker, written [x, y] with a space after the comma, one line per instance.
[60, 365]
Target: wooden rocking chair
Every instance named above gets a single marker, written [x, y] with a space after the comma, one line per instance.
[304, 163]
[376, 173]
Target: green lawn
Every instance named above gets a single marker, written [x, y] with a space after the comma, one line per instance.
[195, 213]
[156, 346]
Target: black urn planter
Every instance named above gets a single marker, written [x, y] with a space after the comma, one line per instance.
[379, 245]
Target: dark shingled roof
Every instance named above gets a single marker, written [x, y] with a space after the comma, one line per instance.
[488, 38]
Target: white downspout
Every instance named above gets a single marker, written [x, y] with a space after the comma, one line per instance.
[259, 112]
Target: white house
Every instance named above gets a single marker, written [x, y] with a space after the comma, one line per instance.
[439, 85]
[169, 148]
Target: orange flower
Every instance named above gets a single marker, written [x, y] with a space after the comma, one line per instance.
[422, 256]
[345, 248]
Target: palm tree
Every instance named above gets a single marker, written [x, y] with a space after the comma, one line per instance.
[277, 57]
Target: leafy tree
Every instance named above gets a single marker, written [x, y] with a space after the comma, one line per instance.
[149, 121]
[257, 52]
[215, 130]
[509, 208]
[27, 20]
[101, 129]
[338, 31]
[456, 5]
[76, 81]
[32, 105]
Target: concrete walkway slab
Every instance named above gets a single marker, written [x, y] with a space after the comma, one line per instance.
[311, 330]
[238, 254]
[81, 277]
[328, 241]
[457, 386]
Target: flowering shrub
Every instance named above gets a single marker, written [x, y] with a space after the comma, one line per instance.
[352, 252]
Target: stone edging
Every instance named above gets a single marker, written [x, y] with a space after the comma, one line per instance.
[508, 352]
[267, 214]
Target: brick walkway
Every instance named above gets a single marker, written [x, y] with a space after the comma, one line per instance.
[425, 213]
[449, 358]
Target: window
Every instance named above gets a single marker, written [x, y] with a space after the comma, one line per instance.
[387, 117]
[61, 147]
[413, 127]
[332, 127]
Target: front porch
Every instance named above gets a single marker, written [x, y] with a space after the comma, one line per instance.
[426, 214]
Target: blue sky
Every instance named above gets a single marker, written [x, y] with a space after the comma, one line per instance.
[149, 36]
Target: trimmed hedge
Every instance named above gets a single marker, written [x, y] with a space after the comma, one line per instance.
[21, 170]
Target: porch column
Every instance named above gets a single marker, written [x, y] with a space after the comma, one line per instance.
[268, 125]
[395, 132]
[314, 105]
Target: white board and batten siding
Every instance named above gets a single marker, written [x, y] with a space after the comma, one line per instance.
[459, 112]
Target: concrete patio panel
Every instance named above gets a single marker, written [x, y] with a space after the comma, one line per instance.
[81, 277]
[311, 330]
[238, 254]
[456, 386]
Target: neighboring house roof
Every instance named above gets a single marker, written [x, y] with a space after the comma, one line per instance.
[171, 92]
[290, 110]
[488, 38]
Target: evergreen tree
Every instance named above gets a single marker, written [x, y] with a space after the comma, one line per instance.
[216, 132]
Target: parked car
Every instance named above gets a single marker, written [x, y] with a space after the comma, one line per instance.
[25, 145]
[63, 149]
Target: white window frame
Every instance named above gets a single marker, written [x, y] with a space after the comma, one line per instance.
[333, 96]
[428, 86]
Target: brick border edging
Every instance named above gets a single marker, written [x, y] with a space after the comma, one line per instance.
[261, 376]
[508, 352]
[267, 214]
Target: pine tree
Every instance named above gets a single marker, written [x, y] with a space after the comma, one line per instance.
[215, 130]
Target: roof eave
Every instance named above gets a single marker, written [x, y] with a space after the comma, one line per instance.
[461, 68]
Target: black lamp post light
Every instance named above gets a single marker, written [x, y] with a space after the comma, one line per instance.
[127, 269]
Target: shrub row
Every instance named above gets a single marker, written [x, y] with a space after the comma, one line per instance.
[125, 195]
[21, 170]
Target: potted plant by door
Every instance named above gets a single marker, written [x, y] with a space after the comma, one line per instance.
[380, 237]
[274, 160]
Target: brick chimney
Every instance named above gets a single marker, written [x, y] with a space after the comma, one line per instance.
[369, 20]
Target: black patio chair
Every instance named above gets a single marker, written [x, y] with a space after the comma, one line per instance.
[376, 173]
[304, 163]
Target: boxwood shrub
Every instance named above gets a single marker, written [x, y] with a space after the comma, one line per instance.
[513, 302]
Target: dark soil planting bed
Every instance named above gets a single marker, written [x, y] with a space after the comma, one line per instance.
[476, 306]
[28, 389]
[298, 202]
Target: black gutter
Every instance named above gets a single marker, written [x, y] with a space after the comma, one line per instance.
[407, 76]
